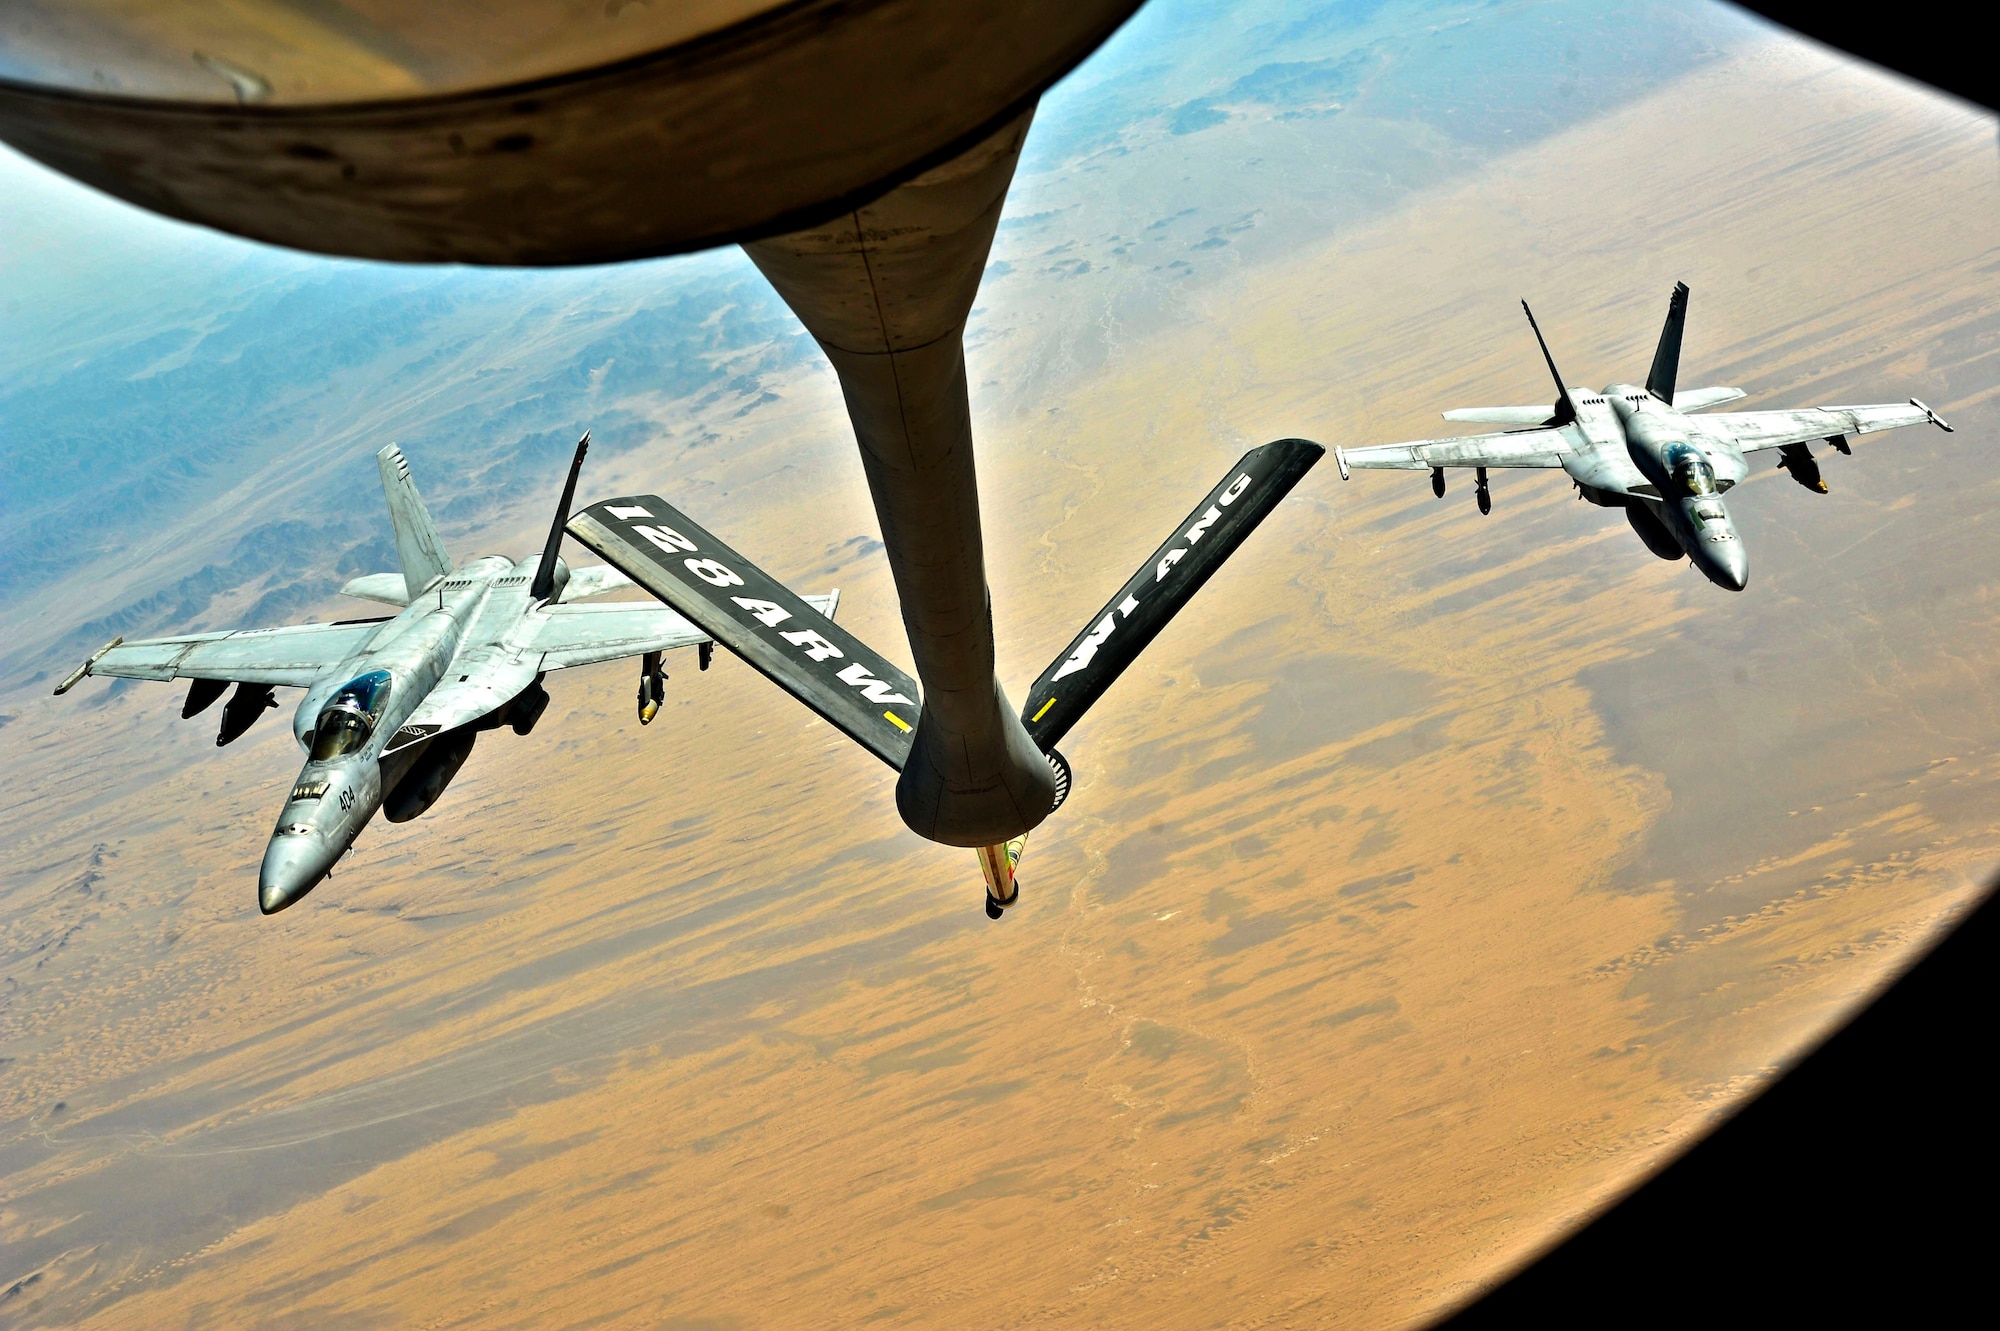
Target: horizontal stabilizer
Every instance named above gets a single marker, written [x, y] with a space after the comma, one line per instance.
[757, 617]
[1155, 594]
[594, 581]
[388, 588]
[1504, 415]
[1694, 399]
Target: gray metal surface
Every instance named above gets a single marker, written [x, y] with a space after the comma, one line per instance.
[885, 290]
[1629, 447]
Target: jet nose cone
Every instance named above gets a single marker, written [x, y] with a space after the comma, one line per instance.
[1732, 570]
[1723, 564]
[293, 865]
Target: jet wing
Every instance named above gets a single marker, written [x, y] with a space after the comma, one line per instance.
[575, 635]
[1752, 431]
[1513, 448]
[294, 656]
[1502, 415]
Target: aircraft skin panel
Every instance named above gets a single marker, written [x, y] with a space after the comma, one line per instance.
[294, 656]
[745, 609]
[388, 588]
[1753, 431]
[1515, 448]
[1699, 399]
[1529, 416]
[470, 690]
[1604, 468]
[575, 635]
[594, 581]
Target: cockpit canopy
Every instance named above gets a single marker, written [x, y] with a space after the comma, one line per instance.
[1693, 476]
[348, 719]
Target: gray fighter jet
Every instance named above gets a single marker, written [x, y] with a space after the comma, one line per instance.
[393, 704]
[1638, 449]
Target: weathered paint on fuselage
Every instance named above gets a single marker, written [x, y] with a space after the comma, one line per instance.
[455, 636]
[1629, 443]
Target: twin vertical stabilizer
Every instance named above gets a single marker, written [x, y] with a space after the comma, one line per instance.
[1667, 359]
[418, 545]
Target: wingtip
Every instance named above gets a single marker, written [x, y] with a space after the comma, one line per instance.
[1932, 416]
[77, 675]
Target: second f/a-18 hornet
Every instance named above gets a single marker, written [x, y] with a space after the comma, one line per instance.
[393, 704]
[1639, 449]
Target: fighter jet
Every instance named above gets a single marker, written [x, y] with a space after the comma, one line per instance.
[393, 704]
[1638, 449]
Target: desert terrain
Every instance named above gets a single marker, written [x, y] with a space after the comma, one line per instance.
[1427, 883]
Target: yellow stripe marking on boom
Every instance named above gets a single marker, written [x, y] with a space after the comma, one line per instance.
[1045, 710]
[898, 722]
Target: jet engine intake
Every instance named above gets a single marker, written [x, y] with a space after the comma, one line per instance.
[425, 781]
[1653, 532]
[243, 708]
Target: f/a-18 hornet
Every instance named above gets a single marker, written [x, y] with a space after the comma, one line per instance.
[393, 704]
[1638, 449]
